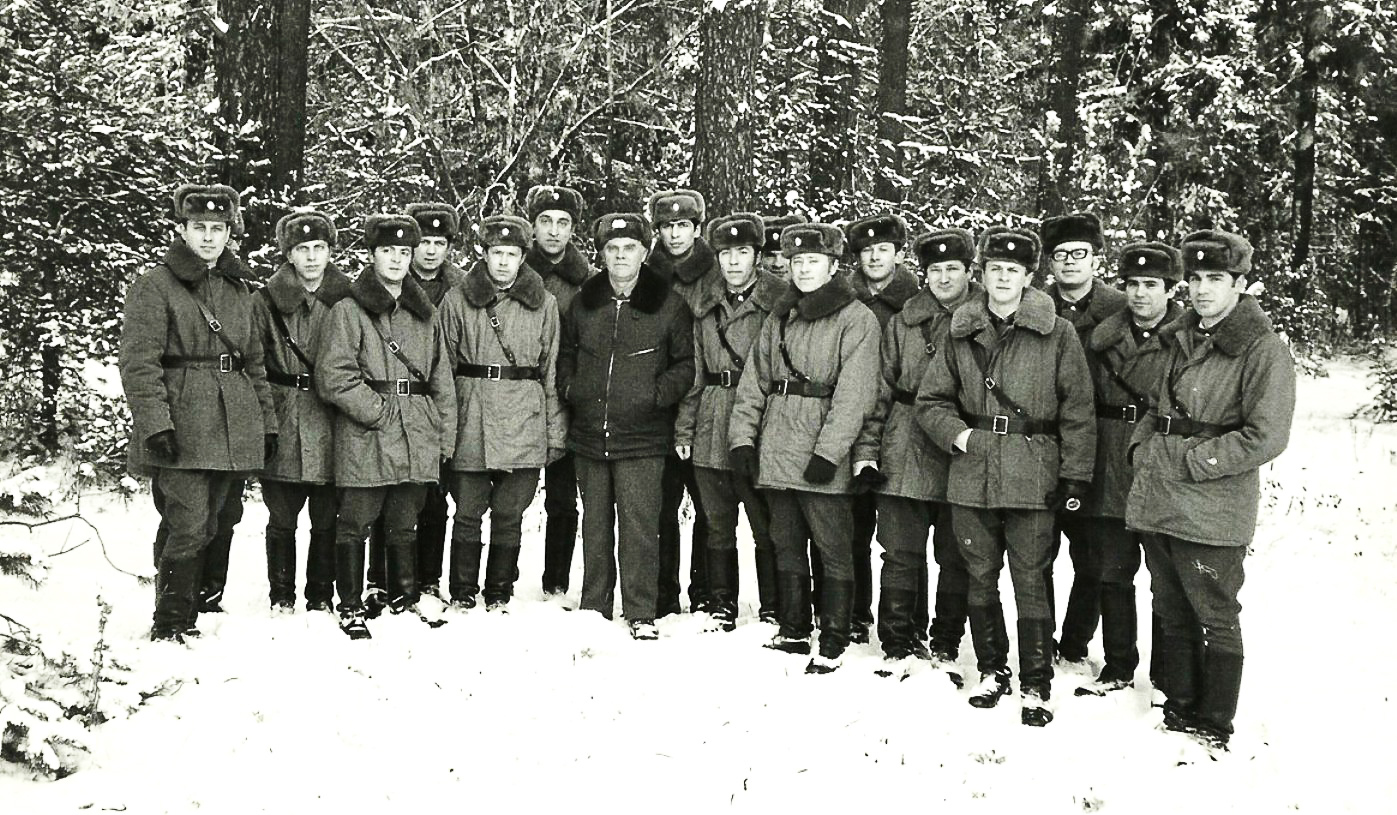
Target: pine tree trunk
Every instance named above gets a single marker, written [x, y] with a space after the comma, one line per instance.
[730, 39]
[1069, 36]
[836, 102]
[892, 97]
[260, 75]
[1306, 113]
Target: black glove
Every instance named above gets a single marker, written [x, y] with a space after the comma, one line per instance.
[269, 447]
[819, 470]
[868, 479]
[444, 478]
[1068, 496]
[743, 461]
[163, 446]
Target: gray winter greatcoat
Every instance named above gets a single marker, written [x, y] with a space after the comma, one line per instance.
[1101, 302]
[890, 299]
[704, 414]
[832, 338]
[689, 275]
[1112, 346]
[448, 278]
[1039, 363]
[381, 440]
[306, 425]
[504, 424]
[219, 419]
[1206, 490]
[914, 467]
[623, 367]
[561, 279]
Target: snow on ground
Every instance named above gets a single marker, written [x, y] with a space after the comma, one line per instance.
[550, 708]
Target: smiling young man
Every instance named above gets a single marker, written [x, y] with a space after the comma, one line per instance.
[913, 497]
[291, 316]
[625, 361]
[1074, 246]
[731, 309]
[1223, 407]
[1011, 401]
[501, 329]
[882, 283]
[809, 383]
[555, 213]
[687, 262]
[385, 368]
[1126, 360]
[201, 412]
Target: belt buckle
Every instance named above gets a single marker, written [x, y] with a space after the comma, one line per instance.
[401, 387]
[493, 372]
[725, 378]
[1000, 425]
[225, 363]
[1130, 414]
[303, 382]
[1168, 425]
[782, 386]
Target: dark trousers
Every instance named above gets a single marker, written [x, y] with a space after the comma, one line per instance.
[560, 532]
[429, 544]
[1083, 612]
[213, 568]
[1024, 537]
[903, 527]
[1105, 559]
[192, 511]
[865, 507]
[952, 582]
[798, 517]
[678, 476]
[1195, 589]
[619, 522]
[506, 495]
[284, 500]
[360, 507]
[722, 492]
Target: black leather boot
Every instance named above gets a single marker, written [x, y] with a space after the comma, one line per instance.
[895, 632]
[349, 580]
[1118, 633]
[559, 539]
[991, 639]
[1219, 690]
[320, 571]
[465, 574]
[402, 578]
[921, 607]
[767, 594]
[796, 620]
[722, 587]
[1178, 660]
[501, 572]
[836, 612]
[948, 626]
[1036, 670]
[431, 542]
[1080, 620]
[176, 608]
[281, 569]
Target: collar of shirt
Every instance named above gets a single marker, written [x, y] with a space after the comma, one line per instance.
[737, 298]
[1075, 306]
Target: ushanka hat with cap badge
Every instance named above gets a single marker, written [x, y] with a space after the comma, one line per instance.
[822, 239]
[1078, 226]
[391, 229]
[1151, 259]
[1007, 243]
[1211, 250]
[675, 205]
[435, 220]
[303, 227]
[620, 225]
[544, 197]
[865, 232]
[737, 229]
[505, 230]
[772, 246]
[944, 245]
[208, 202]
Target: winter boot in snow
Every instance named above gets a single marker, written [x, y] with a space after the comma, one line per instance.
[1036, 670]
[1179, 663]
[465, 574]
[796, 622]
[895, 634]
[991, 639]
[948, 626]
[921, 608]
[281, 568]
[643, 630]
[1219, 690]
[722, 587]
[1118, 622]
[990, 689]
[402, 578]
[768, 603]
[349, 578]
[501, 572]
[320, 571]
[836, 609]
[354, 624]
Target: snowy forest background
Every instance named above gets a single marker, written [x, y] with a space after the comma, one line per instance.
[1273, 118]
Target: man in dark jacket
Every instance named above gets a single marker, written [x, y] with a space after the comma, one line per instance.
[810, 381]
[1011, 401]
[1223, 408]
[1074, 246]
[688, 263]
[1125, 357]
[383, 364]
[435, 274]
[625, 361]
[291, 314]
[555, 213]
[882, 283]
[201, 414]
[730, 313]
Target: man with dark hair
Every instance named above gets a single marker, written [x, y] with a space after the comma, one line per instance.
[201, 413]
[771, 259]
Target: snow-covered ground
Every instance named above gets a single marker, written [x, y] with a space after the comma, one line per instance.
[557, 709]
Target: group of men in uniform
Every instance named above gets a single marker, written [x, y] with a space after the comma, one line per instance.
[929, 393]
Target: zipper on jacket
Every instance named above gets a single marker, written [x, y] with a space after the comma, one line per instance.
[610, 364]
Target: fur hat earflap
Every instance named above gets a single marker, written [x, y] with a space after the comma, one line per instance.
[1152, 259]
[302, 227]
[391, 229]
[824, 239]
[675, 205]
[772, 246]
[1212, 250]
[544, 197]
[208, 202]
[942, 245]
[737, 229]
[435, 220]
[865, 232]
[1079, 226]
[621, 225]
[1008, 243]
[505, 230]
